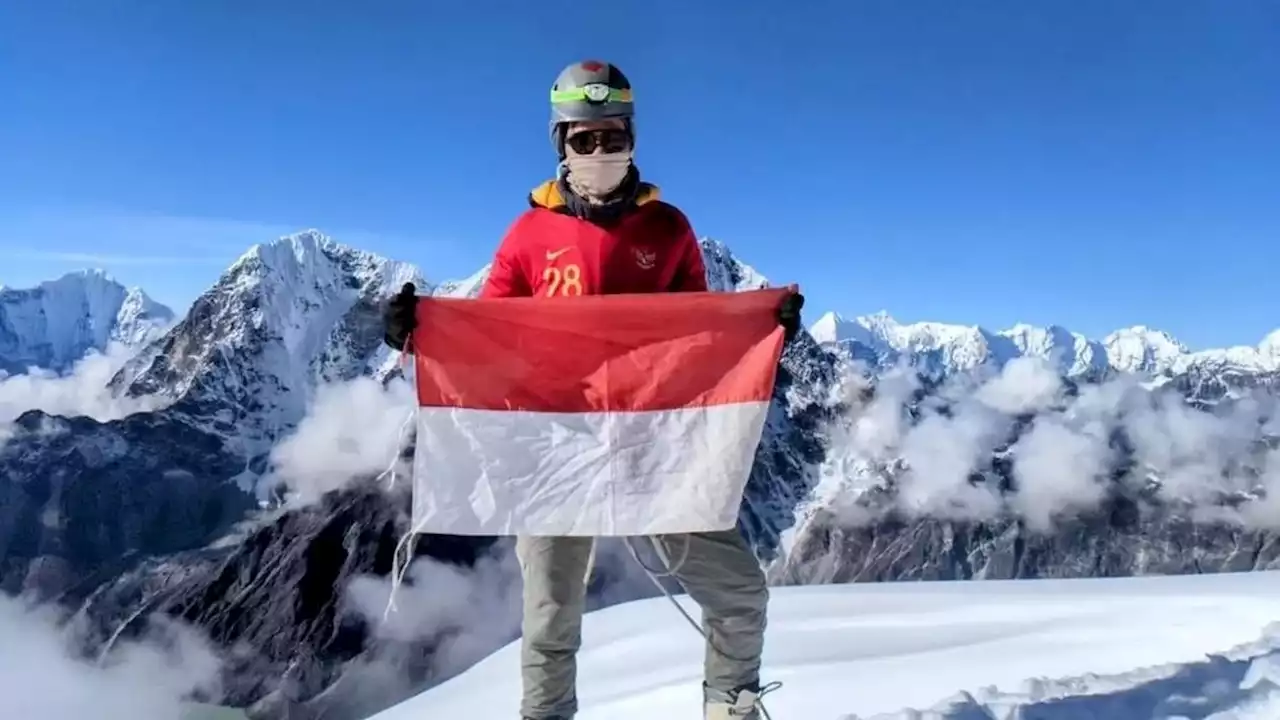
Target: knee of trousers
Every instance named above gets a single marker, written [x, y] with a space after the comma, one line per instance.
[745, 596]
[556, 632]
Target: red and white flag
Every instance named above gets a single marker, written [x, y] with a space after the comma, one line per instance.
[592, 415]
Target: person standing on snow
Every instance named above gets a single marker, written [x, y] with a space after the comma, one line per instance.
[597, 228]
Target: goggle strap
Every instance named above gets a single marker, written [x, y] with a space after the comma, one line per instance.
[579, 94]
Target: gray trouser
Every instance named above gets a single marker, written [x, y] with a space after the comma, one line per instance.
[719, 572]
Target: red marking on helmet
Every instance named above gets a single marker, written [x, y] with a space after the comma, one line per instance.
[592, 66]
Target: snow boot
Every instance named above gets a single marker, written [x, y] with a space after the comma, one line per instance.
[740, 704]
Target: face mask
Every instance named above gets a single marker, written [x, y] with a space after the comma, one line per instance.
[594, 176]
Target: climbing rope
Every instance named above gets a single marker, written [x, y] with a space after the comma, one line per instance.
[670, 570]
[408, 541]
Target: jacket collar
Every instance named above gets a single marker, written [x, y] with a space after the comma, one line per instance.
[547, 195]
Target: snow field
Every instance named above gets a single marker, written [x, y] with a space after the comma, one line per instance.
[867, 649]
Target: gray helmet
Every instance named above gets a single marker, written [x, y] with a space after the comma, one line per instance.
[589, 90]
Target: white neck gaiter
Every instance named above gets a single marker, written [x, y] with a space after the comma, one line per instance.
[595, 176]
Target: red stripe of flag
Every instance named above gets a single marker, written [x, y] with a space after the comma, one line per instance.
[598, 353]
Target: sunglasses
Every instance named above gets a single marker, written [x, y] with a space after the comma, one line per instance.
[584, 142]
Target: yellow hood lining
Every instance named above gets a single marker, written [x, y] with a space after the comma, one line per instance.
[548, 195]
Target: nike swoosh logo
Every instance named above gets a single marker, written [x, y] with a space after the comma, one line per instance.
[552, 255]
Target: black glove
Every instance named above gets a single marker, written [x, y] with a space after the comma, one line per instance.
[789, 314]
[400, 317]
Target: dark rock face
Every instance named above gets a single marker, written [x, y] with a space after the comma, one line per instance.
[80, 499]
[792, 446]
[1122, 540]
[276, 600]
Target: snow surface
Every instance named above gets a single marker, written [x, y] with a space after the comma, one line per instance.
[1138, 349]
[880, 650]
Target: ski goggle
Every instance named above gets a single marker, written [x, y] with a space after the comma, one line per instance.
[592, 93]
[612, 140]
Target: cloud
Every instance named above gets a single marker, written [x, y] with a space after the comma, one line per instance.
[1057, 468]
[40, 677]
[466, 611]
[1024, 385]
[941, 453]
[446, 619]
[353, 429]
[462, 614]
[1063, 454]
[81, 392]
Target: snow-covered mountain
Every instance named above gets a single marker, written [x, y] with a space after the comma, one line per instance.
[941, 349]
[58, 322]
[726, 272]
[286, 317]
[1141, 349]
[238, 373]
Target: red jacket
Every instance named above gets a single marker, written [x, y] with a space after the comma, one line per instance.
[547, 252]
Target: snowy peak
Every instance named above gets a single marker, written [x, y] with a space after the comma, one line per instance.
[1072, 353]
[937, 347]
[1144, 350]
[1141, 349]
[1269, 348]
[298, 286]
[285, 317]
[465, 288]
[140, 319]
[725, 272]
[833, 328]
[944, 348]
[58, 322]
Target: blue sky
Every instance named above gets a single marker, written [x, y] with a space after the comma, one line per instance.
[1088, 163]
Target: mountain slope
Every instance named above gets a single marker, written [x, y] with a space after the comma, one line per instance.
[56, 323]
